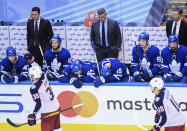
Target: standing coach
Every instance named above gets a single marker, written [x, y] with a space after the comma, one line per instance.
[106, 36]
[39, 32]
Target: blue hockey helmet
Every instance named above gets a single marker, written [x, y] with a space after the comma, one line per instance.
[105, 71]
[57, 38]
[173, 38]
[144, 36]
[10, 51]
[76, 66]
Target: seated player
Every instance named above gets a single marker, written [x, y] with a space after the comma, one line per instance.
[174, 63]
[79, 71]
[145, 62]
[112, 70]
[57, 59]
[46, 102]
[169, 114]
[14, 68]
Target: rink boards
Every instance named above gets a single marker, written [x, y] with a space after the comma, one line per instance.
[110, 107]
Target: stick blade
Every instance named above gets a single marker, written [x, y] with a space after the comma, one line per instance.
[13, 124]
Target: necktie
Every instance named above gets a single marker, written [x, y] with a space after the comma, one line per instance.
[36, 33]
[174, 29]
[103, 35]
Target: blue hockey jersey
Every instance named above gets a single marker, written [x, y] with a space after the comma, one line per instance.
[57, 61]
[149, 59]
[20, 69]
[173, 62]
[89, 72]
[118, 70]
[168, 109]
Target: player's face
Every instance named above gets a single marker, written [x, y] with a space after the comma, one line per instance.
[35, 15]
[173, 46]
[176, 16]
[12, 59]
[143, 43]
[102, 17]
[78, 73]
[55, 44]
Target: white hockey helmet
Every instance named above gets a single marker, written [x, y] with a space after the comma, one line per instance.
[156, 82]
[35, 72]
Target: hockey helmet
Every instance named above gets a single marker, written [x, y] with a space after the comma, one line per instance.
[76, 66]
[156, 82]
[10, 51]
[173, 38]
[105, 71]
[35, 72]
[144, 36]
[56, 38]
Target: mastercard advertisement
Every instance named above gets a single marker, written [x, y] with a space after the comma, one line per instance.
[108, 108]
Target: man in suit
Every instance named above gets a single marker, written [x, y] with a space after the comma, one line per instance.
[106, 36]
[39, 33]
[177, 26]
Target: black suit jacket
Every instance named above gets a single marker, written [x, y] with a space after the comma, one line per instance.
[45, 34]
[113, 34]
[182, 31]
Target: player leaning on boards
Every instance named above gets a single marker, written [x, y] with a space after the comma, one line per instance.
[145, 62]
[13, 67]
[46, 103]
[79, 71]
[57, 59]
[112, 70]
[168, 111]
[174, 63]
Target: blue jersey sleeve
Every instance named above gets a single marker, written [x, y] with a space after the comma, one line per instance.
[135, 61]
[89, 73]
[164, 64]
[66, 58]
[156, 61]
[36, 97]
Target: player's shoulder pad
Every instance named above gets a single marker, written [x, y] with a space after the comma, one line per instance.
[64, 52]
[48, 53]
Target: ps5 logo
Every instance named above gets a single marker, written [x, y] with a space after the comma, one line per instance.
[10, 106]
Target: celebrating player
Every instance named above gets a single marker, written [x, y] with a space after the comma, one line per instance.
[79, 71]
[145, 60]
[168, 111]
[42, 94]
[174, 66]
[13, 67]
[112, 70]
[57, 59]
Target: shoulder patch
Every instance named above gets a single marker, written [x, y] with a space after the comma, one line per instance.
[157, 99]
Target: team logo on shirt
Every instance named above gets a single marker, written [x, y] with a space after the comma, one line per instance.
[157, 99]
[69, 98]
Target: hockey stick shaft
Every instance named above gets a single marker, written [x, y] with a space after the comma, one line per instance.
[46, 116]
[94, 49]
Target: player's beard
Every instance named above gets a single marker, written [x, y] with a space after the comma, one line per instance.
[57, 49]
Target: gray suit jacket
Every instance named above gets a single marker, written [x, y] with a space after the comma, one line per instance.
[113, 34]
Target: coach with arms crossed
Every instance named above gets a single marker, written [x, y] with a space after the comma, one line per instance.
[106, 36]
[39, 32]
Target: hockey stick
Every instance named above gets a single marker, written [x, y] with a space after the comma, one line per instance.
[44, 60]
[137, 123]
[46, 116]
[7, 75]
[138, 55]
[93, 46]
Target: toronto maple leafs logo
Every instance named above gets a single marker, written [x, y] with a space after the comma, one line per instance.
[174, 66]
[145, 64]
[55, 65]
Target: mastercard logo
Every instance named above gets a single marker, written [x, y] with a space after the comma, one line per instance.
[89, 103]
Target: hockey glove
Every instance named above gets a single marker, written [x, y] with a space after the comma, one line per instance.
[31, 119]
[138, 78]
[147, 75]
[168, 78]
[155, 128]
[5, 79]
[75, 82]
[157, 117]
[98, 81]
[178, 77]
